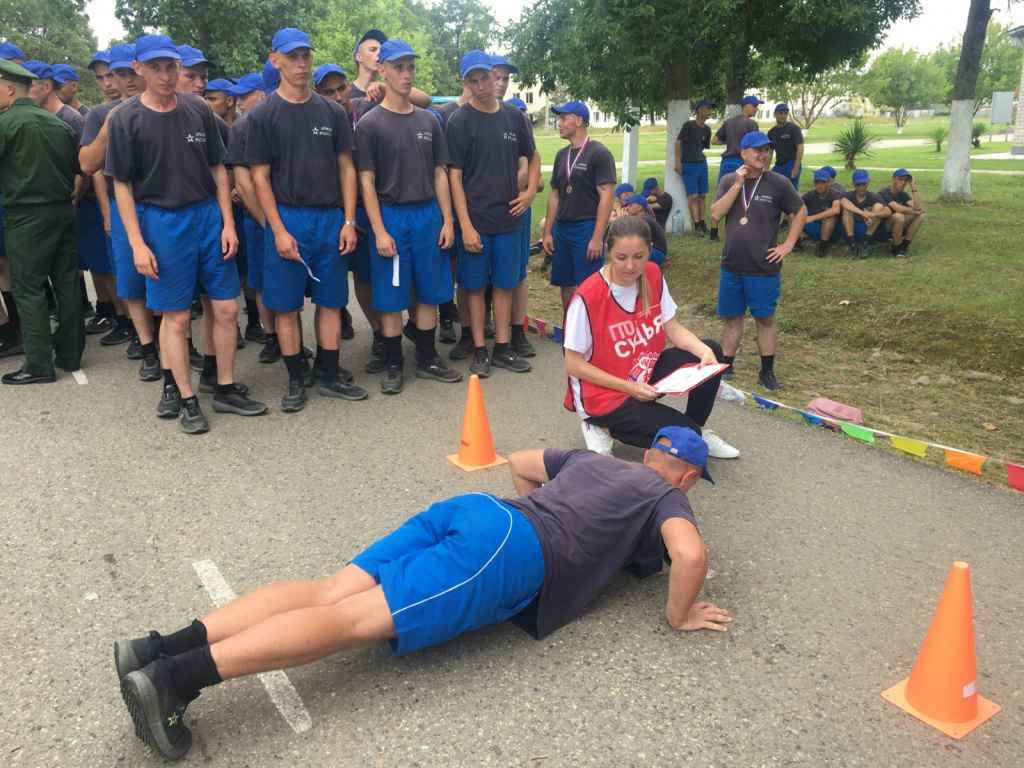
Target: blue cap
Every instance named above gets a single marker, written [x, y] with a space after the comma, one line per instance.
[370, 34]
[782, 107]
[517, 103]
[706, 103]
[500, 61]
[756, 139]
[623, 187]
[190, 57]
[475, 60]
[271, 78]
[247, 83]
[122, 55]
[750, 100]
[638, 199]
[150, 47]
[830, 170]
[38, 68]
[327, 69]
[821, 175]
[687, 445]
[100, 57]
[289, 39]
[860, 176]
[649, 185]
[900, 172]
[64, 73]
[395, 49]
[577, 108]
[10, 51]
[220, 84]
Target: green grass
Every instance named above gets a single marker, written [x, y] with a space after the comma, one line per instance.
[921, 157]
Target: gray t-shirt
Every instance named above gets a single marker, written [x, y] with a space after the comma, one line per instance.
[595, 515]
[732, 132]
[446, 110]
[166, 156]
[816, 205]
[93, 125]
[594, 165]
[658, 240]
[902, 198]
[869, 201]
[787, 138]
[694, 140]
[237, 140]
[403, 150]
[84, 110]
[746, 245]
[72, 118]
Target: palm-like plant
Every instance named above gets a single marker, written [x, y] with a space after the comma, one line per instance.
[977, 131]
[939, 135]
[854, 142]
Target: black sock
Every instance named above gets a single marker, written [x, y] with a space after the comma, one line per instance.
[480, 350]
[122, 321]
[157, 321]
[446, 311]
[767, 363]
[393, 349]
[409, 327]
[905, 245]
[517, 330]
[169, 378]
[104, 309]
[189, 401]
[149, 350]
[729, 359]
[253, 312]
[12, 309]
[192, 671]
[294, 365]
[500, 346]
[425, 349]
[271, 337]
[318, 359]
[210, 367]
[329, 363]
[467, 332]
[184, 640]
[85, 292]
[223, 389]
[7, 332]
[714, 231]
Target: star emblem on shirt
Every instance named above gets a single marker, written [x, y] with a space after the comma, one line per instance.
[190, 138]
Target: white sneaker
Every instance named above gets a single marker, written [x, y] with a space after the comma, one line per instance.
[718, 448]
[730, 394]
[598, 440]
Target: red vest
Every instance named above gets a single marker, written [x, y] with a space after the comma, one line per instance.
[627, 343]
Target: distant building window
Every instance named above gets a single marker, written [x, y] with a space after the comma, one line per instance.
[597, 117]
[516, 95]
[529, 98]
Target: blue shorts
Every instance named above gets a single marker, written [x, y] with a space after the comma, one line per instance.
[813, 231]
[187, 246]
[527, 229]
[130, 284]
[729, 164]
[284, 281]
[497, 263]
[657, 257]
[695, 178]
[570, 265]
[860, 231]
[464, 563]
[254, 244]
[737, 292]
[92, 240]
[242, 256]
[420, 265]
[359, 258]
[787, 168]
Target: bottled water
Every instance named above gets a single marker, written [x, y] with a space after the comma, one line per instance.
[678, 223]
[730, 394]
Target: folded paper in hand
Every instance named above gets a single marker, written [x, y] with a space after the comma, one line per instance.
[685, 378]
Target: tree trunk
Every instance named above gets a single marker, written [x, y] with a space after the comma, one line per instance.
[956, 171]
[736, 78]
[630, 150]
[678, 113]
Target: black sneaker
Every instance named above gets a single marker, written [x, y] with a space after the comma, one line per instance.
[133, 655]
[150, 369]
[728, 374]
[409, 331]
[295, 398]
[521, 346]
[170, 402]
[307, 352]
[905, 252]
[99, 325]
[197, 309]
[819, 250]
[271, 351]
[488, 328]
[347, 331]
[851, 250]
[437, 370]
[206, 386]
[784, 226]
[192, 420]
[195, 360]
[236, 402]
[714, 237]
[378, 363]
[798, 247]
[481, 365]
[862, 249]
[156, 709]
[767, 380]
[377, 346]
[239, 340]
[134, 351]
[393, 381]
[307, 373]
[255, 333]
[88, 310]
[121, 334]
[345, 375]
[339, 388]
[463, 349]
[12, 346]
[698, 230]
[510, 361]
[446, 332]
[546, 264]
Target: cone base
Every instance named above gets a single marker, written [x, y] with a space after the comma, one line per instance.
[986, 709]
[454, 459]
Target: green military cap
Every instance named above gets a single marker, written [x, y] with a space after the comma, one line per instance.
[11, 71]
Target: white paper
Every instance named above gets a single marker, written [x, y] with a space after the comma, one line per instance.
[394, 271]
[684, 379]
[309, 271]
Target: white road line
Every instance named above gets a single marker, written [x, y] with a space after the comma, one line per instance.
[80, 377]
[278, 686]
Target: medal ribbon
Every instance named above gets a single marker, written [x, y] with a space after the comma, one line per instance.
[743, 193]
[569, 169]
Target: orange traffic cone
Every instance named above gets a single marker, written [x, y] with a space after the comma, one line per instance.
[942, 689]
[476, 449]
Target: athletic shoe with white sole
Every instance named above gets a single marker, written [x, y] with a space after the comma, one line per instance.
[717, 447]
[597, 439]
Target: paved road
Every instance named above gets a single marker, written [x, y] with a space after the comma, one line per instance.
[830, 554]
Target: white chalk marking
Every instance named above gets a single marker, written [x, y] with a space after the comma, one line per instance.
[278, 686]
[80, 377]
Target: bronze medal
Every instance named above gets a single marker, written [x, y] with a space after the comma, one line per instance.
[743, 221]
[568, 190]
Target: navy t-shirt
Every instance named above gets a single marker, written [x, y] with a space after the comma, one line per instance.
[446, 110]
[237, 139]
[403, 150]
[301, 144]
[225, 131]
[594, 515]
[903, 198]
[732, 132]
[787, 138]
[93, 125]
[72, 118]
[658, 240]
[166, 156]
[869, 201]
[594, 165]
[746, 245]
[816, 205]
[694, 140]
[486, 147]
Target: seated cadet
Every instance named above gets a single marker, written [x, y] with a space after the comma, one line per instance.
[659, 202]
[832, 180]
[863, 213]
[823, 211]
[907, 211]
[637, 205]
[622, 192]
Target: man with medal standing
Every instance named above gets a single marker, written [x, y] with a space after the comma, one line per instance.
[751, 202]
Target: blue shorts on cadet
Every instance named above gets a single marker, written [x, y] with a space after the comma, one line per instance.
[418, 263]
[254, 242]
[92, 239]
[130, 284]
[695, 178]
[729, 164]
[466, 562]
[758, 292]
[570, 265]
[359, 258]
[657, 257]
[860, 231]
[497, 263]
[526, 234]
[813, 231]
[186, 242]
[786, 169]
[317, 232]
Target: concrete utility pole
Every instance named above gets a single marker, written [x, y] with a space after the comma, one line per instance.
[1017, 40]
[630, 149]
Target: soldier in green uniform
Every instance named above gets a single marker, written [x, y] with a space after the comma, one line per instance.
[38, 165]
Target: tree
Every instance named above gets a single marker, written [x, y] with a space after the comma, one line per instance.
[901, 80]
[998, 69]
[458, 27]
[809, 95]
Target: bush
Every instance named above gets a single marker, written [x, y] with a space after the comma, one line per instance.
[939, 135]
[977, 131]
[855, 141]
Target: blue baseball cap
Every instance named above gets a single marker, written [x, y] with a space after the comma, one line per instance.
[649, 184]
[687, 445]
[327, 69]
[829, 170]
[271, 78]
[706, 103]
[100, 57]
[122, 55]
[900, 172]
[10, 51]
[220, 84]
[191, 56]
[821, 175]
[500, 61]
[623, 187]
[517, 103]
[65, 73]
[756, 139]
[370, 34]
[475, 60]
[289, 39]
[860, 176]
[750, 100]
[638, 199]
[40, 69]
[782, 107]
[577, 108]
[149, 47]
[247, 83]
[395, 49]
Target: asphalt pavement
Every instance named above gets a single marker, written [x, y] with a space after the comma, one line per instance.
[830, 554]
